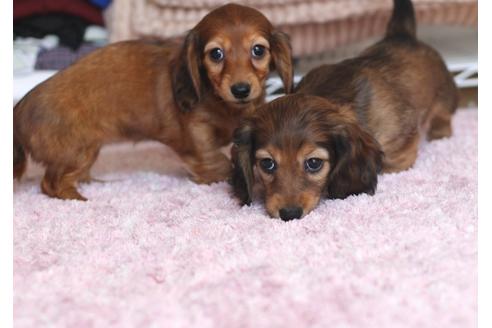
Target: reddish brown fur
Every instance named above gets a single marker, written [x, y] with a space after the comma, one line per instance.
[292, 129]
[397, 89]
[379, 102]
[139, 90]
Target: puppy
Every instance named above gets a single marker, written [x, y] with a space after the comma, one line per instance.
[345, 123]
[188, 96]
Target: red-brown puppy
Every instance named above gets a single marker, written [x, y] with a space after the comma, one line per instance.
[345, 123]
[189, 97]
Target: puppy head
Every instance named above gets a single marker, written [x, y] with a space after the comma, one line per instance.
[303, 148]
[231, 50]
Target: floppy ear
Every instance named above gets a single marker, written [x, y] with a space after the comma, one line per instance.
[242, 180]
[282, 58]
[186, 74]
[356, 160]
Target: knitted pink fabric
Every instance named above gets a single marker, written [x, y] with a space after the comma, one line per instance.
[152, 249]
[314, 26]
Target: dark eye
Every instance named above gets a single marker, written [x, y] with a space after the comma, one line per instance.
[313, 165]
[217, 54]
[258, 51]
[268, 165]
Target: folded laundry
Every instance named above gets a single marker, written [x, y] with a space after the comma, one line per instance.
[101, 3]
[69, 28]
[26, 51]
[61, 57]
[79, 8]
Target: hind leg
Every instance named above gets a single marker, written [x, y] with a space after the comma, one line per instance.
[61, 181]
[402, 157]
[85, 176]
[440, 117]
[440, 128]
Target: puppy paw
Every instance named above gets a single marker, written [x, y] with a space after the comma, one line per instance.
[70, 194]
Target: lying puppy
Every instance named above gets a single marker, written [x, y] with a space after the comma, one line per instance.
[328, 139]
[189, 97]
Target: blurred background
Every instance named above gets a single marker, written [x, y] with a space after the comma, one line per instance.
[49, 35]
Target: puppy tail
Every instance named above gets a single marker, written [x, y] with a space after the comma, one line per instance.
[402, 22]
[20, 156]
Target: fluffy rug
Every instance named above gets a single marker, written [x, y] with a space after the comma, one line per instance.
[152, 249]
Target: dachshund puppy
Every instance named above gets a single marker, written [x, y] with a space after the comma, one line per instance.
[188, 96]
[346, 123]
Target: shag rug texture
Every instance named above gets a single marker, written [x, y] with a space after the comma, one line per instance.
[152, 249]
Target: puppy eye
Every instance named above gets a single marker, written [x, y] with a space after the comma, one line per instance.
[258, 51]
[216, 54]
[268, 165]
[313, 165]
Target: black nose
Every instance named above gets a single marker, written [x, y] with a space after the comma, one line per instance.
[240, 90]
[290, 213]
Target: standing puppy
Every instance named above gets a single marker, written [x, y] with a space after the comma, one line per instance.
[346, 122]
[189, 97]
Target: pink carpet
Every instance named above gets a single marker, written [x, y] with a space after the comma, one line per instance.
[152, 249]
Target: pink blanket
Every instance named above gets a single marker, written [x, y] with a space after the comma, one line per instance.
[152, 249]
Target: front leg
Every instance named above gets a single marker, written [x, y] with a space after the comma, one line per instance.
[208, 167]
[203, 157]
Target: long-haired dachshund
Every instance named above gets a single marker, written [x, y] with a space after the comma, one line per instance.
[345, 123]
[188, 96]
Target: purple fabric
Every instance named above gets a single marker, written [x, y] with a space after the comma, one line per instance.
[62, 57]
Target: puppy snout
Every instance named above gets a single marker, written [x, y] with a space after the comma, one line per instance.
[290, 213]
[241, 90]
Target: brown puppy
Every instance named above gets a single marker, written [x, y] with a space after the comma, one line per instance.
[328, 139]
[188, 96]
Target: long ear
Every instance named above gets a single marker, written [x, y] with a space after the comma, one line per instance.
[186, 74]
[356, 162]
[282, 58]
[242, 180]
